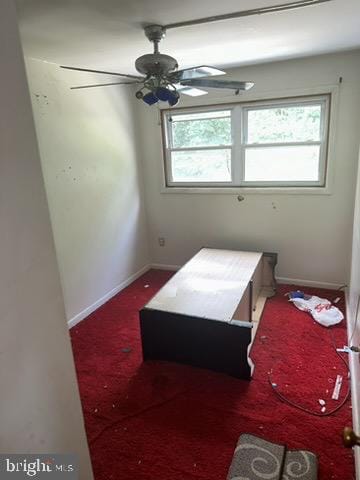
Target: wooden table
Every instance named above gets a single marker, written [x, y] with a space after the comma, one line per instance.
[207, 313]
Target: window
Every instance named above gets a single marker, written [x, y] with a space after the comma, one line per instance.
[201, 145]
[280, 143]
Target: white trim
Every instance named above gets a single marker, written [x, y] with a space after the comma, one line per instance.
[290, 281]
[163, 266]
[87, 311]
[354, 375]
[309, 283]
[248, 190]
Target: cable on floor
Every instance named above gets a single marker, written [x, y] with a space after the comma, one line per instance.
[308, 410]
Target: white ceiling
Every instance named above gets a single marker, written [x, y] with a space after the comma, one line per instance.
[108, 34]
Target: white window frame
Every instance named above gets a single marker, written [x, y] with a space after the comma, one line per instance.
[239, 112]
[168, 142]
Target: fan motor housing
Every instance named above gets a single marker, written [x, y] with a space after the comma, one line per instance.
[155, 64]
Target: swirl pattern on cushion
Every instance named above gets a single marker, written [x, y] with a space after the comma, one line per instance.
[258, 459]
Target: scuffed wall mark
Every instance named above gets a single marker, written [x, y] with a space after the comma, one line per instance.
[41, 101]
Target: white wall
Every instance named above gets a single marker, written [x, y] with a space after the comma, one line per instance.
[88, 151]
[40, 410]
[311, 233]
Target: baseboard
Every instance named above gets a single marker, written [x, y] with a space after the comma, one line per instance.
[86, 312]
[290, 281]
[162, 266]
[354, 365]
[309, 283]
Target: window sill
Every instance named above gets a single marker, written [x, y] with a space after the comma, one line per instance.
[248, 190]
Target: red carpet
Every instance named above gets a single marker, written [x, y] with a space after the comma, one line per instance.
[161, 421]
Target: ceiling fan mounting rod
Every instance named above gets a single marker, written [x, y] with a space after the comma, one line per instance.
[155, 33]
[247, 13]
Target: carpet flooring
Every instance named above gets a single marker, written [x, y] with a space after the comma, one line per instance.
[163, 421]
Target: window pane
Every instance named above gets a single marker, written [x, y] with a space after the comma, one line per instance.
[201, 129]
[201, 166]
[284, 124]
[280, 164]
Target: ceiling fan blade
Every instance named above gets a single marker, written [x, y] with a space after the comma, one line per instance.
[102, 72]
[194, 72]
[214, 83]
[104, 85]
[247, 13]
[192, 92]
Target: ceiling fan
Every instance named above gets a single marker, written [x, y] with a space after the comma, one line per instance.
[160, 78]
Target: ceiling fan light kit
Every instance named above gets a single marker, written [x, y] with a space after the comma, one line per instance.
[162, 81]
[160, 93]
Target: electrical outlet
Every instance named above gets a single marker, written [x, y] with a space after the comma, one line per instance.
[161, 241]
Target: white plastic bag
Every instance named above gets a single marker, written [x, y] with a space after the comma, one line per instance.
[321, 309]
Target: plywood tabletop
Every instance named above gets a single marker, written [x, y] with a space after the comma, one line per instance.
[210, 285]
